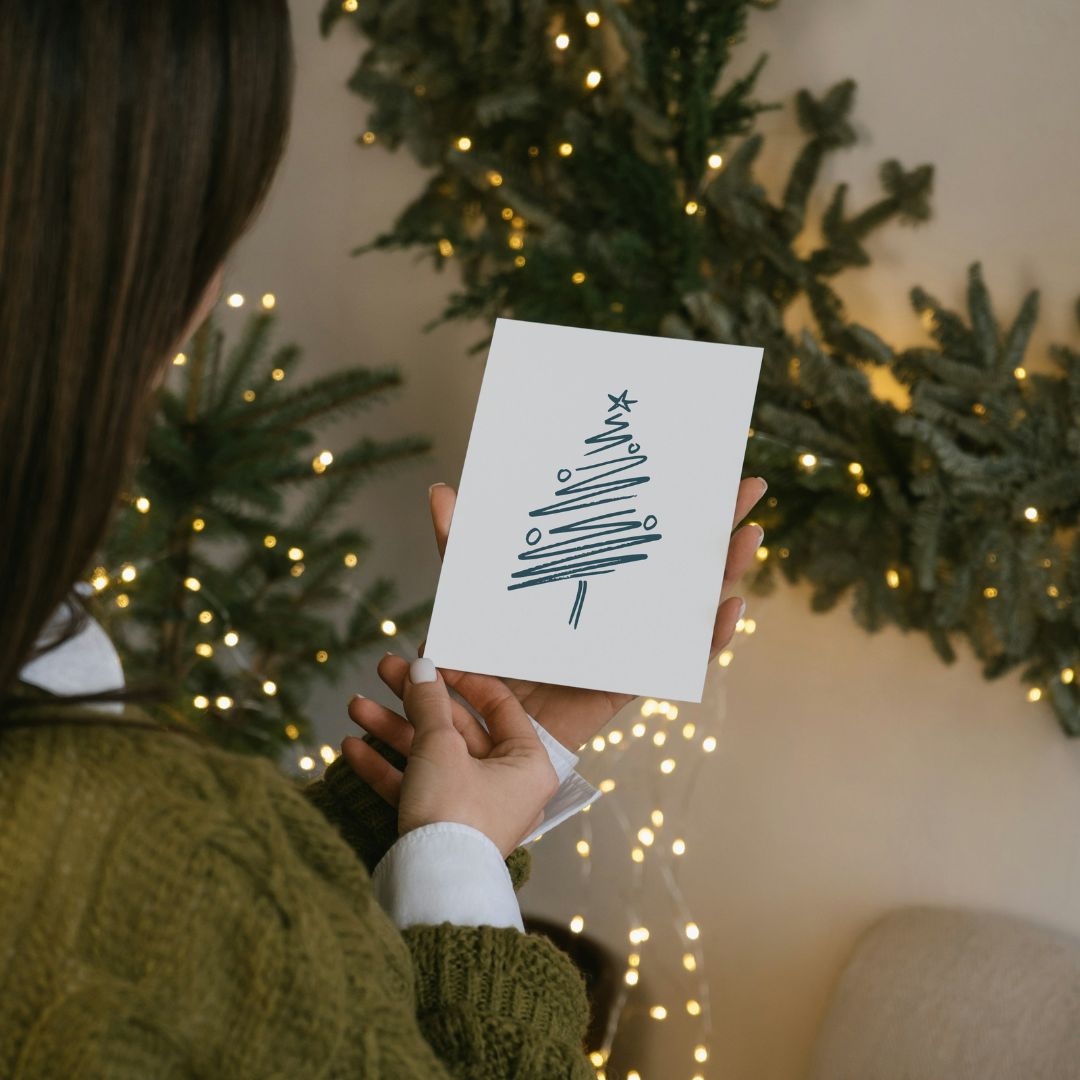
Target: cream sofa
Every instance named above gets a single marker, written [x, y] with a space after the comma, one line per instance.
[941, 994]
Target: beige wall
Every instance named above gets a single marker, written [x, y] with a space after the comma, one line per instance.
[854, 772]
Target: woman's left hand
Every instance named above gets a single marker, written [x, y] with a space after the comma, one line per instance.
[571, 714]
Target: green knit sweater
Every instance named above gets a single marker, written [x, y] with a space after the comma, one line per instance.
[172, 910]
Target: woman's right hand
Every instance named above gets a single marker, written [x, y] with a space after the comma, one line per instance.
[497, 781]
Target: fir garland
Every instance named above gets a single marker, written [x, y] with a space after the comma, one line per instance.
[590, 166]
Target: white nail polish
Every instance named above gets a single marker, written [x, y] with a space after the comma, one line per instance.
[764, 484]
[761, 536]
[422, 670]
[356, 696]
[742, 609]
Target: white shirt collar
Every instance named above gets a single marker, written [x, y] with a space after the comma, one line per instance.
[87, 663]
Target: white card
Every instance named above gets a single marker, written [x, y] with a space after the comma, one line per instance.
[595, 506]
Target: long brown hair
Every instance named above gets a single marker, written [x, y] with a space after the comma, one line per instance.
[138, 138]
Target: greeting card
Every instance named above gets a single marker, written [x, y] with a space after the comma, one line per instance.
[594, 510]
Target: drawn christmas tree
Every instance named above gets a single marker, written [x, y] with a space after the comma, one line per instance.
[578, 543]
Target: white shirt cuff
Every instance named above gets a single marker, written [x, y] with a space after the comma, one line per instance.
[446, 872]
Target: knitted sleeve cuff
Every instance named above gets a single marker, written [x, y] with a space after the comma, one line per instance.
[498, 972]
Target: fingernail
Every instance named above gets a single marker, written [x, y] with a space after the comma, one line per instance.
[742, 609]
[761, 537]
[438, 483]
[422, 670]
[764, 484]
[355, 696]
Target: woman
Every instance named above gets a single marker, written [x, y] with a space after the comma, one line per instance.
[168, 908]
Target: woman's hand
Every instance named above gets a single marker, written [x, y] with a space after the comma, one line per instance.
[497, 781]
[574, 715]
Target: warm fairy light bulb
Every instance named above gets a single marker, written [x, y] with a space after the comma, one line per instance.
[659, 738]
[990, 592]
[596, 1058]
[206, 617]
[693, 932]
[614, 737]
[100, 579]
[638, 935]
[646, 836]
[583, 848]
[725, 658]
[142, 504]
[269, 687]
[688, 730]
[321, 461]
[270, 541]
[855, 469]
[463, 143]
[296, 554]
[701, 1054]
[689, 961]
[350, 5]
[351, 560]
[566, 149]
[494, 178]
[1031, 513]
[1067, 675]
[269, 301]
[205, 649]
[592, 18]
[519, 260]
[691, 208]
[715, 161]
[658, 1012]
[192, 583]
[446, 249]
[678, 847]
[292, 731]
[631, 977]
[599, 743]
[388, 627]
[638, 730]
[223, 701]
[1020, 373]
[649, 706]
[122, 600]
[128, 572]
[593, 79]
[667, 766]
[201, 701]
[231, 638]
[633, 1074]
[708, 744]
[892, 578]
[577, 924]
[637, 855]
[277, 374]
[1034, 694]
[235, 300]
[327, 753]
[693, 1007]
[863, 489]
[198, 524]
[179, 359]
[762, 553]
[607, 786]
[562, 41]
[577, 277]
[307, 763]
[634, 959]
[368, 138]
[808, 461]
[657, 818]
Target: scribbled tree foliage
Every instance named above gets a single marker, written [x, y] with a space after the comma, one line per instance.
[561, 198]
